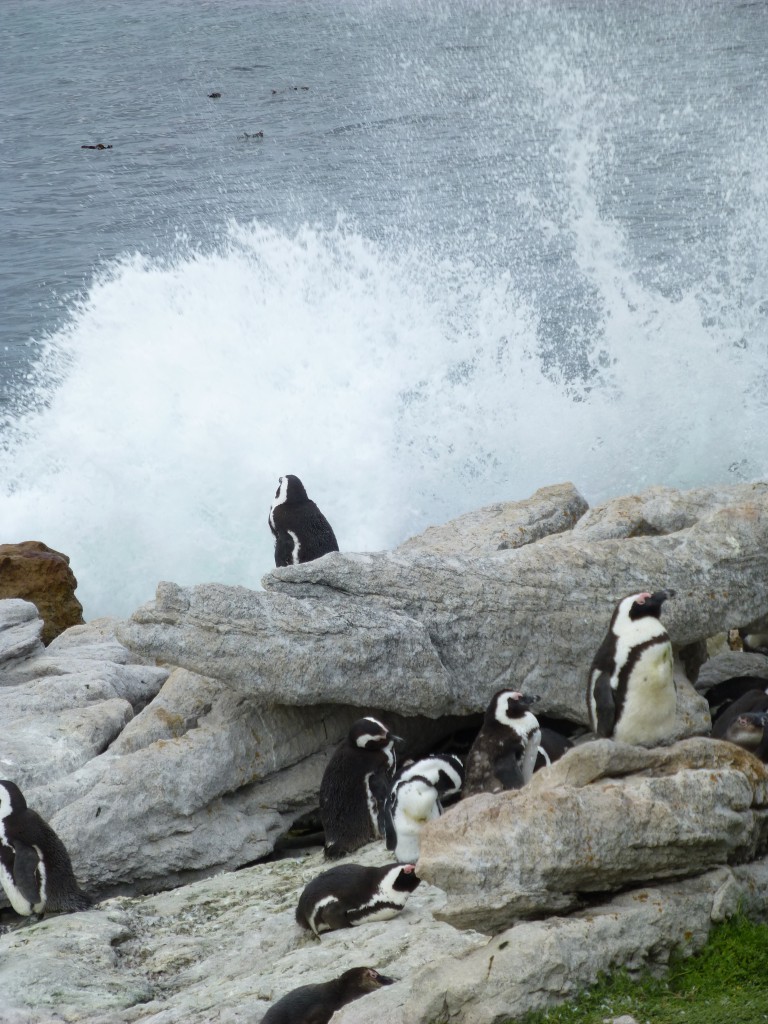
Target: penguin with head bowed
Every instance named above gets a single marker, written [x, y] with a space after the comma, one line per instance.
[631, 695]
[411, 803]
[552, 746]
[35, 869]
[301, 531]
[444, 771]
[316, 1004]
[351, 894]
[355, 785]
[504, 753]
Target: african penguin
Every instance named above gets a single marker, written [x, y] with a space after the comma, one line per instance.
[355, 785]
[35, 869]
[444, 771]
[751, 701]
[754, 643]
[750, 731]
[411, 804]
[552, 746]
[722, 695]
[351, 894]
[316, 1004]
[301, 531]
[504, 752]
[631, 695]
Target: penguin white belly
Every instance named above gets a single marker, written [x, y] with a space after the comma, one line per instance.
[17, 900]
[648, 715]
[409, 826]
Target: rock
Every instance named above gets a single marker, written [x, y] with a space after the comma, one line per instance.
[226, 947]
[730, 664]
[662, 510]
[64, 705]
[431, 634]
[34, 572]
[229, 943]
[504, 525]
[20, 632]
[591, 823]
[537, 964]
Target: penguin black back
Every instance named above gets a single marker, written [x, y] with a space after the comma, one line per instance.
[504, 752]
[349, 894]
[35, 869]
[301, 531]
[316, 1004]
[355, 786]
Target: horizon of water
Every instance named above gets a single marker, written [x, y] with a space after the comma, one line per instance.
[499, 247]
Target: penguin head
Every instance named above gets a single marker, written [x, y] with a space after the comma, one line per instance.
[363, 979]
[11, 799]
[747, 730]
[371, 734]
[290, 490]
[638, 606]
[406, 879]
[509, 707]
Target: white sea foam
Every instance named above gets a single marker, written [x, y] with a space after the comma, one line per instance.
[402, 391]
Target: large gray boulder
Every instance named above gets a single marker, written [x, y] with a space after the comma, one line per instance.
[605, 816]
[418, 632]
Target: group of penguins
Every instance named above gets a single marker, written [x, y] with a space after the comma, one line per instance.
[364, 795]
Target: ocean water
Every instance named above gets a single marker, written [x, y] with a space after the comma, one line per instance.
[481, 247]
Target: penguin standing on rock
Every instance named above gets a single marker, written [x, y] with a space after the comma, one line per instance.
[355, 785]
[351, 894]
[316, 1004]
[631, 694]
[504, 753]
[301, 531]
[35, 869]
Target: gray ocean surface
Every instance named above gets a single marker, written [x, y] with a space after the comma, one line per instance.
[480, 246]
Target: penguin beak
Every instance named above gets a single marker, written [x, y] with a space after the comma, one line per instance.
[660, 596]
[395, 739]
[529, 698]
[384, 980]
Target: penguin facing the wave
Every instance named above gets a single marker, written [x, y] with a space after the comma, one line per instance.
[301, 531]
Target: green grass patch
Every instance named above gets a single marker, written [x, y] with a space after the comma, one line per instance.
[726, 983]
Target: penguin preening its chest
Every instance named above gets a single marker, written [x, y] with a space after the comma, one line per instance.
[355, 786]
[316, 1004]
[35, 869]
[411, 803]
[301, 531]
[552, 746]
[444, 771]
[504, 753]
[631, 694]
[350, 894]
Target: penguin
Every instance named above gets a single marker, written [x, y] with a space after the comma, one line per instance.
[631, 695]
[301, 531]
[722, 695]
[504, 752]
[444, 771]
[749, 731]
[355, 785]
[316, 1004]
[35, 869]
[753, 643]
[350, 894]
[411, 804]
[552, 746]
[751, 701]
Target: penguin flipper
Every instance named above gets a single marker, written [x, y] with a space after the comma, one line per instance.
[390, 835]
[380, 787]
[605, 705]
[284, 545]
[25, 864]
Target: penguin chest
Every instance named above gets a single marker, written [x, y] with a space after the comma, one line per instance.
[650, 701]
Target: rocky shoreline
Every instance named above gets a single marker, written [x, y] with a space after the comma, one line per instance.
[172, 749]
